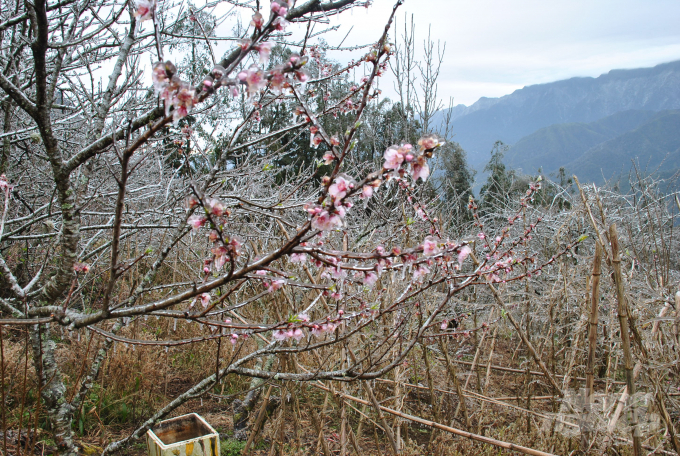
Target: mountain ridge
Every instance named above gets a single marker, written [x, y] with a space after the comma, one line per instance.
[580, 99]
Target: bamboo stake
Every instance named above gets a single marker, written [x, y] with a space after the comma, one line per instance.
[625, 338]
[522, 371]
[592, 333]
[456, 384]
[258, 421]
[378, 409]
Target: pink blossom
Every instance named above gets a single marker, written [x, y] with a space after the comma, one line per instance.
[261, 272]
[444, 325]
[161, 74]
[429, 142]
[233, 339]
[317, 331]
[420, 272]
[366, 191]
[145, 9]
[280, 24]
[257, 21]
[298, 334]
[430, 246]
[393, 158]
[276, 285]
[197, 221]
[279, 7]
[80, 267]
[254, 79]
[336, 295]
[315, 140]
[328, 158]
[4, 183]
[216, 207]
[370, 279]
[339, 189]
[300, 258]
[235, 245]
[302, 75]
[303, 317]
[420, 169]
[221, 257]
[463, 254]
[204, 298]
[277, 79]
[335, 141]
[324, 221]
[244, 44]
[280, 335]
[265, 50]
[182, 101]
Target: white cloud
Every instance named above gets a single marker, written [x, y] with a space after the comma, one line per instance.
[496, 46]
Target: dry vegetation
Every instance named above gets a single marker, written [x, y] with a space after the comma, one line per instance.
[331, 302]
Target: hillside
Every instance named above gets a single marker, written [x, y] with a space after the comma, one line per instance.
[576, 100]
[654, 146]
[556, 145]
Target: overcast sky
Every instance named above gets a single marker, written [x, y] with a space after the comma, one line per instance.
[494, 47]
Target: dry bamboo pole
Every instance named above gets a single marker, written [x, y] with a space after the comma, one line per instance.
[522, 371]
[381, 417]
[676, 323]
[592, 333]
[456, 384]
[624, 392]
[526, 341]
[469, 435]
[475, 360]
[318, 425]
[625, 338]
[259, 420]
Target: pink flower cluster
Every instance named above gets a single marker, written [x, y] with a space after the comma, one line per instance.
[212, 207]
[329, 216]
[281, 7]
[396, 156]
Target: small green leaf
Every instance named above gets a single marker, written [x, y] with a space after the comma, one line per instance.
[582, 238]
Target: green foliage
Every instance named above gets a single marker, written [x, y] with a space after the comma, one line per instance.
[457, 181]
[229, 447]
[496, 192]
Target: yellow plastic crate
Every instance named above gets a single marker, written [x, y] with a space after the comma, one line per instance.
[186, 435]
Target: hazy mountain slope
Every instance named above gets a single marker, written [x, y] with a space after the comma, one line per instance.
[556, 145]
[654, 146]
[526, 110]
